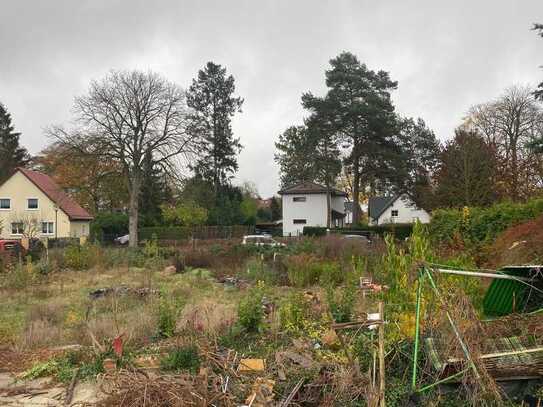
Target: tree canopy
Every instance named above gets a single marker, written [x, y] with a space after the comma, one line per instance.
[211, 97]
[12, 154]
[137, 119]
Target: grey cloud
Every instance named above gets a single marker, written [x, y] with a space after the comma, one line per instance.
[445, 55]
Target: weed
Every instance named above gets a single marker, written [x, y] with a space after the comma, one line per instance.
[303, 270]
[250, 311]
[183, 358]
[293, 313]
[341, 302]
[77, 257]
[167, 315]
[331, 274]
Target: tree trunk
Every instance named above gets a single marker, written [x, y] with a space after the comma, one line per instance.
[133, 209]
[356, 192]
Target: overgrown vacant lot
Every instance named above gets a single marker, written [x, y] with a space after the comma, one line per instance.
[217, 323]
[174, 308]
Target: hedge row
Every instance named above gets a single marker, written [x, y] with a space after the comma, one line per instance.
[398, 230]
[478, 225]
[197, 232]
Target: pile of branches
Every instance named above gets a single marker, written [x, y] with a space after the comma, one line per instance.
[137, 388]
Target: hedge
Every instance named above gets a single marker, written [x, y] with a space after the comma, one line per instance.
[197, 232]
[398, 230]
[478, 225]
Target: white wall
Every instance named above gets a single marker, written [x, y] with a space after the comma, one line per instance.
[313, 210]
[407, 213]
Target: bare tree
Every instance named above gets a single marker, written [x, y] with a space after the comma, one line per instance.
[509, 124]
[27, 225]
[128, 117]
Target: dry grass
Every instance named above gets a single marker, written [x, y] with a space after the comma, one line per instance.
[207, 315]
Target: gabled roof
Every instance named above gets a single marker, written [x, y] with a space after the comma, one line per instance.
[50, 188]
[378, 204]
[309, 188]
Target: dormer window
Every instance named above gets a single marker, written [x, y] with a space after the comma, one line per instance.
[5, 203]
[32, 203]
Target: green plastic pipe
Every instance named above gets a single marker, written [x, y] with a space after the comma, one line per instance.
[446, 379]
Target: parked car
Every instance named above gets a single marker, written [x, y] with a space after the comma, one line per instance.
[122, 240]
[357, 238]
[11, 248]
[261, 240]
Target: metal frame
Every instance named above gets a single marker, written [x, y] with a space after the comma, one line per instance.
[425, 273]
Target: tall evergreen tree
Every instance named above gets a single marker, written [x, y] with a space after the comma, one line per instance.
[420, 151]
[275, 208]
[294, 156]
[211, 96]
[361, 112]
[539, 91]
[12, 155]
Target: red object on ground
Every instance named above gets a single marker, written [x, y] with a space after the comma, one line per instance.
[118, 345]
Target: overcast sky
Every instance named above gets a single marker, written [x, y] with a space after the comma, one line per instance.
[446, 56]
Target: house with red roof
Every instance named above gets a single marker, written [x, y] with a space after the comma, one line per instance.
[33, 205]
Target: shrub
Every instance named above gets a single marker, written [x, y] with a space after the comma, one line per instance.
[303, 270]
[314, 231]
[293, 313]
[167, 315]
[331, 274]
[341, 302]
[479, 225]
[183, 358]
[77, 257]
[250, 311]
[106, 226]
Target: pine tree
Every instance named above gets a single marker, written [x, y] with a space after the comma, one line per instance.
[211, 96]
[12, 155]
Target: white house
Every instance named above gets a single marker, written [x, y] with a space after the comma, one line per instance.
[394, 209]
[33, 205]
[304, 204]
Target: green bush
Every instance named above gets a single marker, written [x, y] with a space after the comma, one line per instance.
[314, 231]
[167, 315]
[303, 270]
[250, 311]
[77, 257]
[400, 231]
[293, 313]
[108, 224]
[341, 302]
[331, 274]
[480, 225]
[183, 358]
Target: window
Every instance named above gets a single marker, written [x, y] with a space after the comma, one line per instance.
[47, 228]
[394, 213]
[17, 228]
[299, 199]
[32, 203]
[299, 221]
[5, 203]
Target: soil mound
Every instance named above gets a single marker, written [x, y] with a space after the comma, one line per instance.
[517, 245]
